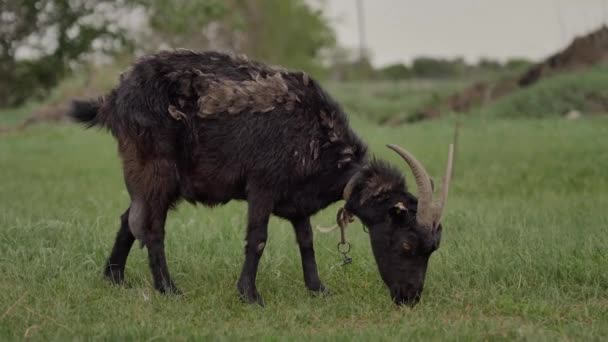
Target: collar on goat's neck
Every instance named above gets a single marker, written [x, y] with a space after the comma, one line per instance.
[352, 182]
[344, 217]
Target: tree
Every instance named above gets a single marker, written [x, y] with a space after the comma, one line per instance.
[187, 23]
[518, 64]
[396, 71]
[428, 67]
[489, 64]
[286, 32]
[41, 40]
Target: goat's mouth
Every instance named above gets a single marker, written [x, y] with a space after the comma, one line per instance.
[406, 296]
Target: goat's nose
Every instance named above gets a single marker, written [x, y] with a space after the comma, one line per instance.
[407, 296]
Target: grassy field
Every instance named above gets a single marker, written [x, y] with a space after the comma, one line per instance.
[584, 90]
[523, 254]
[387, 102]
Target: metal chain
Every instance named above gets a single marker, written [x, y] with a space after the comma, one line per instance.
[343, 218]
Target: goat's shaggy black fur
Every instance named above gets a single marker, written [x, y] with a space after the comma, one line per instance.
[211, 127]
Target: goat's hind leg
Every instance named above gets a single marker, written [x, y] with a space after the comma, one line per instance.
[260, 208]
[115, 265]
[152, 185]
[147, 222]
[155, 242]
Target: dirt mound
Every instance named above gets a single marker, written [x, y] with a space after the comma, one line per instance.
[583, 52]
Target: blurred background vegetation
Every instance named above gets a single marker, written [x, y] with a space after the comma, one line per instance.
[45, 41]
[54, 50]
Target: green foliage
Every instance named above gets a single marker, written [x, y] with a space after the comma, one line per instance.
[394, 72]
[182, 23]
[289, 33]
[55, 35]
[183, 16]
[519, 64]
[489, 64]
[356, 70]
[523, 255]
[440, 68]
[427, 67]
[585, 91]
[283, 32]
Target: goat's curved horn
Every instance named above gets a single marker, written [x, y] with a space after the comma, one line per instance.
[426, 211]
[445, 186]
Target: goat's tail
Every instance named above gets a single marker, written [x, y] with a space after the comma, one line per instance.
[85, 112]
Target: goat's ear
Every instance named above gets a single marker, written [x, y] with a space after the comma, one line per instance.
[181, 82]
[398, 212]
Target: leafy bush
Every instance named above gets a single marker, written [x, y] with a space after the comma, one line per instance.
[41, 41]
[397, 71]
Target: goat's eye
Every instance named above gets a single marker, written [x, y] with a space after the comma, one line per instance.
[398, 211]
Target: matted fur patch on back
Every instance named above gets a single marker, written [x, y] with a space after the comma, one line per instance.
[260, 94]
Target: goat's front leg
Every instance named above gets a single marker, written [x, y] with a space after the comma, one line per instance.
[260, 208]
[309, 264]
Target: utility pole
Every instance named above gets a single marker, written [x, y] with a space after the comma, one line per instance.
[361, 24]
[560, 20]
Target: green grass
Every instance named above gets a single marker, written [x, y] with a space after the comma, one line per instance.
[399, 101]
[523, 254]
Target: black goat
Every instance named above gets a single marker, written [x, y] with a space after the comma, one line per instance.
[210, 127]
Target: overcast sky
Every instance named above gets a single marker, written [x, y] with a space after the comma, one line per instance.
[398, 30]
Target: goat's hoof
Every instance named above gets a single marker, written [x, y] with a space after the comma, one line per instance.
[320, 291]
[254, 298]
[172, 291]
[251, 297]
[114, 275]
